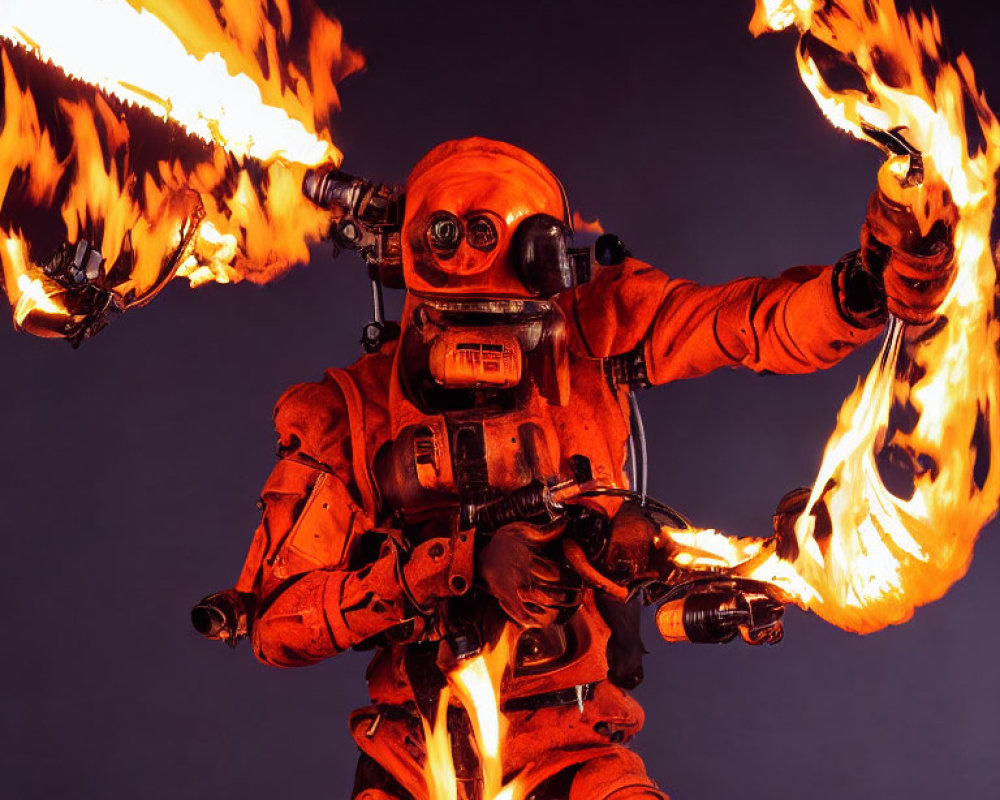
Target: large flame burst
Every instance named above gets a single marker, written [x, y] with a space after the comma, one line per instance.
[220, 200]
[909, 476]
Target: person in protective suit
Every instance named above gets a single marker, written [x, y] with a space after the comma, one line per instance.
[466, 483]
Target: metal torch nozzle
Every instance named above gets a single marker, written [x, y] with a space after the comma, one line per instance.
[897, 145]
[224, 616]
[367, 218]
[332, 189]
[370, 204]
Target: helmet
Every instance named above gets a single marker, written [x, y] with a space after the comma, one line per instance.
[485, 219]
[485, 245]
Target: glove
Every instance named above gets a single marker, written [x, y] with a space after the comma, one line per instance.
[424, 576]
[907, 244]
[531, 589]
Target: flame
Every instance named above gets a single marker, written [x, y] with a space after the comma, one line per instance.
[582, 225]
[475, 684]
[31, 290]
[439, 768]
[220, 200]
[148, 64]
[892, 549]
[707, 550]
[924, 418]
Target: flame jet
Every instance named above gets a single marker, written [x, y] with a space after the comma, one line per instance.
[197, 175]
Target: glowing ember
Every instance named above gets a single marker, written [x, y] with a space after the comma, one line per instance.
[155, 203]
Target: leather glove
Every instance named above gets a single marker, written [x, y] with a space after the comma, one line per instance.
[907, 242]
[531, 589]
[424, 576]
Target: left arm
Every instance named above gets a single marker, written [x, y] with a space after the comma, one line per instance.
[796, 322]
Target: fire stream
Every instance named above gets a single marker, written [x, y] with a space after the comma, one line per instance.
[147, 64]
[923, 419]
[475, 684]
[221, 70]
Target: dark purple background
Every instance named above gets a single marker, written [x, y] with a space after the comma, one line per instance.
[130, 468]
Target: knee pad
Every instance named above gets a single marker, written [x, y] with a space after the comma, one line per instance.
[619, 775]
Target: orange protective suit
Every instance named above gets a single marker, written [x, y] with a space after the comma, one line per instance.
[361, 543]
